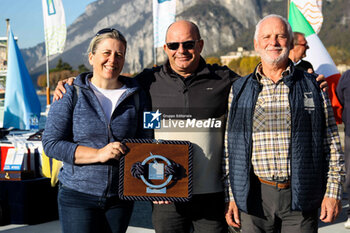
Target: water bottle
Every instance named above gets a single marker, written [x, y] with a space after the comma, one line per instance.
[33, 122]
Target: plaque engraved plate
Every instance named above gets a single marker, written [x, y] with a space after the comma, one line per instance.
[156, 170]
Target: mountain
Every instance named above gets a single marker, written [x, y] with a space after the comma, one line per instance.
[220, 21]
[224, 25]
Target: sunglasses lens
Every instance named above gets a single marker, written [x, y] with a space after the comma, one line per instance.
[188, 44]
[173, 46]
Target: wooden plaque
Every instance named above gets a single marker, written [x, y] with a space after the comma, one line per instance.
[156, 170]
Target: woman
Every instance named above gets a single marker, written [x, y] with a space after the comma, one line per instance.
[85, 129]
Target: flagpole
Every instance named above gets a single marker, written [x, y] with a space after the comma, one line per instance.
[154, 48]
[55, 32]
[154, 56]
[47, 76]
[288, 3]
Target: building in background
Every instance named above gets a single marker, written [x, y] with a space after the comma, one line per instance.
[241, 52]
[3, 63]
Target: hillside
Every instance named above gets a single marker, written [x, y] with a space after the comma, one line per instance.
[224, 25]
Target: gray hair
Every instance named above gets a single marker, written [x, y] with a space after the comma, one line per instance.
[296, 37]
[289, 28]
[113, 34]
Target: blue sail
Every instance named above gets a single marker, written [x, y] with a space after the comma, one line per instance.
[21, 100]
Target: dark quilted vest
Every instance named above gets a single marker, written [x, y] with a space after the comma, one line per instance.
[308, 158]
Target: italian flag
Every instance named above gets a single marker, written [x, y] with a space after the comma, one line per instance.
[306, 16]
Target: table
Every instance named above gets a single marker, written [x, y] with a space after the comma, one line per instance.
[27, 201]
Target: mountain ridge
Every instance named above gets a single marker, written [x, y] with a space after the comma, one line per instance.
[224, 25]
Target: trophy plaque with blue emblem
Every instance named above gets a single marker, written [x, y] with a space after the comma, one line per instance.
[156, 170]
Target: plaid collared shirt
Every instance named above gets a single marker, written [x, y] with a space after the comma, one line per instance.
[271, 138]
[271, 130]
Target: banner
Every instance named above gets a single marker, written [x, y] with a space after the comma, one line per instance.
[22, 104]
[54, 26]
[306, 17]
[164, 12]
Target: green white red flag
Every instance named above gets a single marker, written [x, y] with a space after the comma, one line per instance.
[306, 16]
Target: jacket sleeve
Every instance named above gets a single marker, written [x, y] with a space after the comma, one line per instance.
[335, 155]
[225, 159]
[58, 137]
[341, 87]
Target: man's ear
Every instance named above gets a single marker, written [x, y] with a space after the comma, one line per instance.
[201, 44]
[255, 45]
[291, 45]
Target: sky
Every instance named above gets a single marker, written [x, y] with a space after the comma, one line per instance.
[26, 18]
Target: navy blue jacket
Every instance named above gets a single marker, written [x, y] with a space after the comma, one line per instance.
[343, 94]
[308, 158]
[84, 123]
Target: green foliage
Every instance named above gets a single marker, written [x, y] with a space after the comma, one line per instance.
[55, 77]
[61, 66]
[244, 65]
[234, 65]
[339, 55]
[248, 64]
[62, 71]
[213, 60]
[82, 68]
[335, 28]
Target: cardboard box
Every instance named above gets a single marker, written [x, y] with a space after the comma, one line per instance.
[16, 175]
[3, 151]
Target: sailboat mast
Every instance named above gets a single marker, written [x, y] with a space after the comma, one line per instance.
[7, 36]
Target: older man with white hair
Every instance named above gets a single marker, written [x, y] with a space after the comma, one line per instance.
[283, 154]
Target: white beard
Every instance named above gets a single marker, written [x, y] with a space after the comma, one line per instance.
[266, 58]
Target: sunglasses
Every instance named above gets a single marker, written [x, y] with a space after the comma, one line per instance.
[106, 30]
[185, 45]
[304, 45]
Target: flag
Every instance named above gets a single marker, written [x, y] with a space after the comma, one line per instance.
[21, 100]
[164, 12]
[306, 17]
[54, 26]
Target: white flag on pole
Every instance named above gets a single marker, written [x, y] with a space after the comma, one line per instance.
[164, 12]
[54, 26]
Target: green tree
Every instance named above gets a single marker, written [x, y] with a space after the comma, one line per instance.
[55, 76]
[82, 68]
[213, 60]
[234, 65]
[41, 81]
[61, 66]
[248, 64]
[339, 55]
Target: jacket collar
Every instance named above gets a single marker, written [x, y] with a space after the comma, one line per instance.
[82, 80]
[288, 74]
[201, 70]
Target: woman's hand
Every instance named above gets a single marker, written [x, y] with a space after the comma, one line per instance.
[112, 150]
[60, 90]
[88, 155]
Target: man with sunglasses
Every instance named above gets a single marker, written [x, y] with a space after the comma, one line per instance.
[298, 52]
[186, 85]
